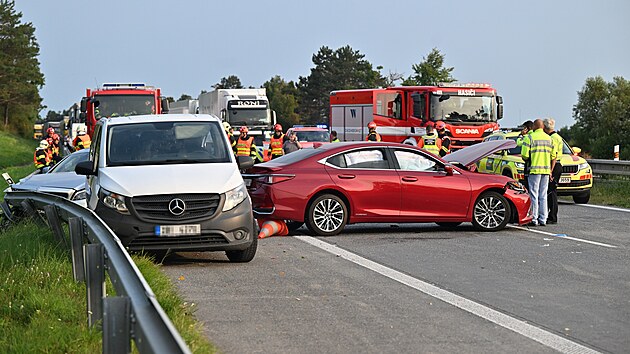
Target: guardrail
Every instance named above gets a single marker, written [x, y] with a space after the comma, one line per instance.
[610, 167]
[134, 314]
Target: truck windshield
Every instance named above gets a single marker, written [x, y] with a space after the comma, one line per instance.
[123, 105]
[452, 108]
[162, 143]
[249, 116]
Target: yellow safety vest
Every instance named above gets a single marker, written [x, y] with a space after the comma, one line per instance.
[430, 143]
[538, 149]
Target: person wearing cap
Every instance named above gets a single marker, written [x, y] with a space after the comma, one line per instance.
[276, 142]
[430, 141]
[445, 140]
[245, 145]
[556, 169]
[372, 134]
[82, 140]
[538, 150]
[42, 156]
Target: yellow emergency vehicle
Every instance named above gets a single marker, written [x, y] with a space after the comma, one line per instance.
[577, 175]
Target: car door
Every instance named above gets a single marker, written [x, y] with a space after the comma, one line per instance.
[428, 193]
[368, 177]
[92, 186]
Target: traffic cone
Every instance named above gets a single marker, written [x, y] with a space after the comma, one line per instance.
[273, 227]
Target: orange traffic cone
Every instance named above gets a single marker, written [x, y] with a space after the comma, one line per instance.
[273, 227]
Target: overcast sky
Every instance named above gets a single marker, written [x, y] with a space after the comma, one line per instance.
[536, 53]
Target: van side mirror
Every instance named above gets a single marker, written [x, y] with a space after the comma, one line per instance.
[84, 168]
[244, 162]
[165, 104]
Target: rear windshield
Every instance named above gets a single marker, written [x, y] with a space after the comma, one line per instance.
[166, 143]
[295, 156]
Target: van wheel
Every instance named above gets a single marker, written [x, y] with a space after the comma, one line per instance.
[326, 215]
[491, 212]
[246, 255]
[582, 198]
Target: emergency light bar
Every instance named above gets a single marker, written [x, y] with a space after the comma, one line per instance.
[463, 84]
[120, 86]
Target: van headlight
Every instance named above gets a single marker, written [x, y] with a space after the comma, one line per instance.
[583, 166]
[234, 197]
[114, 201]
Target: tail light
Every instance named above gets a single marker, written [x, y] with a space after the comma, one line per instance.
[273, 179]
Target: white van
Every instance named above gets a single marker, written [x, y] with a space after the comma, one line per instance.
[170, 182]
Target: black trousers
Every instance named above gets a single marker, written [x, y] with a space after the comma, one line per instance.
[552, 194]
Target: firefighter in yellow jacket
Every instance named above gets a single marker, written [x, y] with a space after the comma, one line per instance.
[42, 156]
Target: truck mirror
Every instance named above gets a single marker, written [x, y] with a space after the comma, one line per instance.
[499, 111]
[223, 114]
[82, 117]
[499, 100]
[165, 105]
[84, 104]
[273, 117]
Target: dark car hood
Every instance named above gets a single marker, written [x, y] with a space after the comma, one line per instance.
[65, 180]
[471, 154]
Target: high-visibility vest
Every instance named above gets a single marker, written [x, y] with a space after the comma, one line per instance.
[41, 158]
[244, 146]
[53, 144]
[373, 136]
[556, 142]
[275, 145]
[82, 142]
[336, 140]
[538, 150]
[431, 143]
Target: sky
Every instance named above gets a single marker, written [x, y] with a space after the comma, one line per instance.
[537, 54]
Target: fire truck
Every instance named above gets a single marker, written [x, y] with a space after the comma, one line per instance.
[470, 111]
[120, 99]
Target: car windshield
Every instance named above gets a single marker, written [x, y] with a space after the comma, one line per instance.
[515, 150]
[166, 143]
[453, 108]
[70, 162]
[123, 105]
[311, 136]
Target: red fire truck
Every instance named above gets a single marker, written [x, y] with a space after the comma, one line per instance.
[470, 111]
[119, 99]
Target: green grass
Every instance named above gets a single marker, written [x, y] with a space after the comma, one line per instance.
[15, 151]
[42, 308]
[611, 191]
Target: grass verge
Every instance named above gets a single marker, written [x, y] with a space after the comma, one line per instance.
[42, 308]
[611, 190]
[15, 151]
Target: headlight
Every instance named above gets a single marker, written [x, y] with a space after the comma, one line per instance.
[79, 195]
[519, 165]
[583, 166]
[515, 186]
[114, 201]
[234, 197]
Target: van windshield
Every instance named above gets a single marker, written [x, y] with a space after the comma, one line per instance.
[161, 143]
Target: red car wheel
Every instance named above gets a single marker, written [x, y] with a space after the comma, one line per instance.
[491, 212]
[327, 215]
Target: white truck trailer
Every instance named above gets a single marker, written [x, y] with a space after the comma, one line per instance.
[184, 107]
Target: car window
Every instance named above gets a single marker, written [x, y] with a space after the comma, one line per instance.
[69, 163]
[365, 158]
[414, 161]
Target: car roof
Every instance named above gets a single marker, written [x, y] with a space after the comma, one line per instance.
[315, 129]
[153, 118]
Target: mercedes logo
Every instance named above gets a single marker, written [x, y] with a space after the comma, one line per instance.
[176, 206]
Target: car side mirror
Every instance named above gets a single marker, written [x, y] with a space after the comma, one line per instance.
[576, 150]
[244, 162]
[448, 169]
[84, 168]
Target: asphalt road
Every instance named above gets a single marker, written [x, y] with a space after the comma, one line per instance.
[414, 288]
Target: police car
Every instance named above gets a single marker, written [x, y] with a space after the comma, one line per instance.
[577, 175]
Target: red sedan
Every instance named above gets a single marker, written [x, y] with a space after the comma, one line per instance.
[369, 182]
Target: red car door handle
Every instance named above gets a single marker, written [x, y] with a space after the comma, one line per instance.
[409, 179]
[346, 176]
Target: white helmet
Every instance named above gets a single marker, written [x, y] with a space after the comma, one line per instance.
[82, 130]
[43, 144]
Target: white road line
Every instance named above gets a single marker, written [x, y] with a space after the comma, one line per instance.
[549, 339]
[604, 207]
[562, 236]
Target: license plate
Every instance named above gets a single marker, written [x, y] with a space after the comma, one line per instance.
[565, 180]
[177, 230]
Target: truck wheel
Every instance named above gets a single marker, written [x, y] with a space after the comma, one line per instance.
[326, 215]
[582, 198]
[491, 212]
[246, 255]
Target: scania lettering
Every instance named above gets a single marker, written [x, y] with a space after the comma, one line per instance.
[470, 111]
[120, 99]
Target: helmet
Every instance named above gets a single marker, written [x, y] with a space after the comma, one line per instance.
[440, 125]
[227, 126]
[50, 130]
[43, 144]
[371, 125]
[82, 130]
[277, 127]
[243, 129]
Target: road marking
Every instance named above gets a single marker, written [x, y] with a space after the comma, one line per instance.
[565, 236]
[604, 207]
[541, 336]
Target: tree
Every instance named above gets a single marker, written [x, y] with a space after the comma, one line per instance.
[20, 74]
[185, 97]
[230, 82]
[430, 71]
[282, 97]
[340, 69]
[602, 117]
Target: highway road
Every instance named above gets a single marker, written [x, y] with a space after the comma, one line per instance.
[415, 288]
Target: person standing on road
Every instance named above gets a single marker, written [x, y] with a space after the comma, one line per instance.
[556, 169]
[276, 142]
[538, 150]
[430, 141]
[292, 144]
[333, 137]
[526, 129]
[372, 134]
[445, 140]
[245, 145]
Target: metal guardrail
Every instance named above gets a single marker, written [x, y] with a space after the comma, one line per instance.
[610, 167]
[134, 313]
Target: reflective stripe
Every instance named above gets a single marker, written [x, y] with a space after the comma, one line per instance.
[243, 147]
[275, 145]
